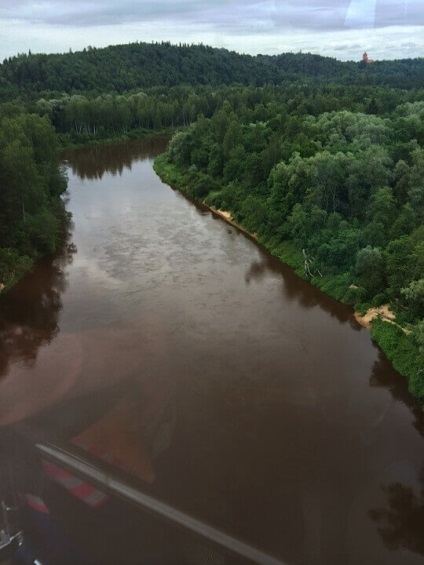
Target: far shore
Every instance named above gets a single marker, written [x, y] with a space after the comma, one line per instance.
[365, 321]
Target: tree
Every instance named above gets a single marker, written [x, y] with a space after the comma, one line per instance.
[418, 334]
[370, 270]
[30, 185]
[398, 264]
[414, 294]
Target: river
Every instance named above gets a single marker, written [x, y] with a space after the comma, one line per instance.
[170, 345]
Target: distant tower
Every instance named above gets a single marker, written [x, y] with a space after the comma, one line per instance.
[365, 58]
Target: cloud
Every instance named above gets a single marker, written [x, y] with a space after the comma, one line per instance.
[348, 46]
[83, 13]
[338, 28]
[312, 15]
[110, 12]
[226, 14]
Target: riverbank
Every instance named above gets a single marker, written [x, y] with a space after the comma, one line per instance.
[13, 267]
[392, 338]
[371, 314]
[74, 140]
[225, 215]
[285, 251]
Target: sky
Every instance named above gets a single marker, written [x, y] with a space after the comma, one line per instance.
[344, 29]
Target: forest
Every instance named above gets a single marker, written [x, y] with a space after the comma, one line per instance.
[322, 161]
[32, 214]
[124, 68]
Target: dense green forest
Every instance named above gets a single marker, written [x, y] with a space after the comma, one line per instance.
[128, 89]
[32, 213]
[79, 118]
[322, 160]
[124, 68]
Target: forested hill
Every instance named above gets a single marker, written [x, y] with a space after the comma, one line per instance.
[123, 68]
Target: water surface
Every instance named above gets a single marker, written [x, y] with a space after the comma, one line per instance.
[166, 340]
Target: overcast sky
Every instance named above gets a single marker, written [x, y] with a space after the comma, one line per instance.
[386, 29]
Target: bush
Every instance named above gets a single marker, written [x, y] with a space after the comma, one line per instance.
[336, 286]
[402, 352]
[13, 266]
[355, 295]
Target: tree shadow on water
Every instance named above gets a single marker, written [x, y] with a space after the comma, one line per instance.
[401, 522]
[385, 376]
[257, 271]
[93, 162]
[29, 311]
[295, 288]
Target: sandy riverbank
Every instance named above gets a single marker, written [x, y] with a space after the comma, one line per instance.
[382, 312]
[225, 215]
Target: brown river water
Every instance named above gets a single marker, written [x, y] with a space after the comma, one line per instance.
[169, 346]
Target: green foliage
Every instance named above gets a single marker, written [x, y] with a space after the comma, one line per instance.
[337, 286]
[418, 336]
[13, 266]
[414, 295]
[136, 66]
[169, 173]
[402, 352]
[370, 270]
[286, 252]
[31, 211]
